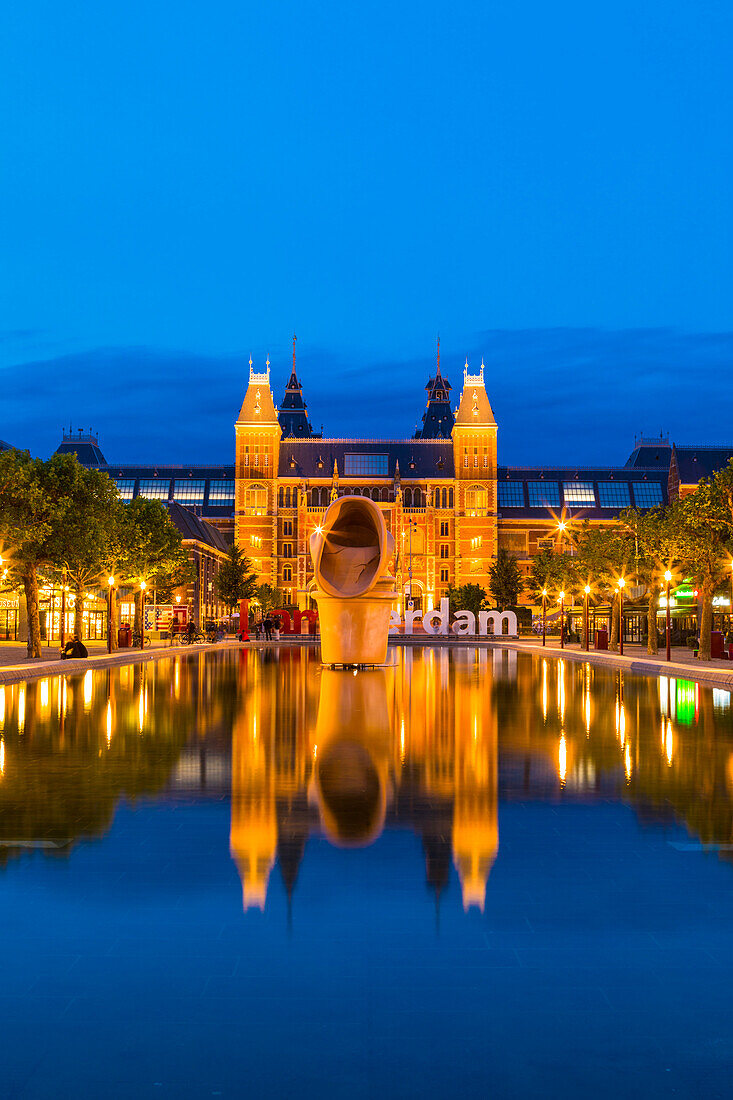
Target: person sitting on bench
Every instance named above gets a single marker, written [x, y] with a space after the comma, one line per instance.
[74, 649]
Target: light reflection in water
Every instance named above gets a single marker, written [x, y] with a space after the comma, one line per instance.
[307, 753]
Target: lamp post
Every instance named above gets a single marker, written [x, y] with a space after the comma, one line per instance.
[110, 586]
[668, 578]
[62, 630]
[544, 614]
[562, 620]
[143, 586]
[587, 594]
[621, 586]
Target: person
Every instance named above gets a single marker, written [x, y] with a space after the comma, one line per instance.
[191, 630]
[258, 628]
[75, 648]
[268, 628]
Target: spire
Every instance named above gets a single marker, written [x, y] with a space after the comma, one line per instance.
[293, 414]
[258, 406]
[437, 421]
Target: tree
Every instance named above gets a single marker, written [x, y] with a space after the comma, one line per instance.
[654, 549]
[35, 504]
[602, 556]
[268, 598]
[235, 580]
[703, 528]
[505, 580]
[467, 597]
[551, 571]
[150, 548]
[81, 548]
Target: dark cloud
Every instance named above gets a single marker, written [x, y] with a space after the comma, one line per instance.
[559, 395]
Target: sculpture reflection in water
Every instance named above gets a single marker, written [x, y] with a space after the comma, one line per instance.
[354, 591]
[386, 747]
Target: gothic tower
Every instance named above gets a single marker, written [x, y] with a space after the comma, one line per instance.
[257, 433]
[474, 450]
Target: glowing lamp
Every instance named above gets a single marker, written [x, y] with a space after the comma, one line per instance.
[668, 575]
[587, 590]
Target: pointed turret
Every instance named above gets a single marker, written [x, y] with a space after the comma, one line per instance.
[258, 408]
[475, 408]
[437, 421]
[293, 413]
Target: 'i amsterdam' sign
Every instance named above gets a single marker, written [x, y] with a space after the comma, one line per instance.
[464, 622]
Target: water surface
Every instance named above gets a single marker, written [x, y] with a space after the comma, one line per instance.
[475, 871]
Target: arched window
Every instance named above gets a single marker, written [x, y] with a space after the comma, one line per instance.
[418, 498]
[287, 497]
[408, 498]
[255, 500]
[450, 498]
[385, 496]
[280, 497]
[288, 573]
[477, 499]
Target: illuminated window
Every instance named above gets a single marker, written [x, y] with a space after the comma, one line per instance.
[475, 456]
[543, 494]
[125, 487]
[255, 500]
[477, 499]
[511, 494]
[444, 529]
[465, 457]
[614, 494]
[288, 573]
[366, 465]
[647, 494]
[579, 492]
[256, 541]
[221, 493]
[190, 491]
[154, 489]
[476, 542]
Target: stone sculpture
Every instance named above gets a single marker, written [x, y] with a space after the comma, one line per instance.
[354, 591]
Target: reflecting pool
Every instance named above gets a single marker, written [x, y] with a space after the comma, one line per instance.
[476, 870]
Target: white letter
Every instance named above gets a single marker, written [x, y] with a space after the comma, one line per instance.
[395, 620]
[441, 627]
[483, 621]
[410, 617]
[465, 623]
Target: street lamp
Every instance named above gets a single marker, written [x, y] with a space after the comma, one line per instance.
[621, 586]
[143, 586]
[110, 586]
[668, 578]
[561, 601]
[587, 594]
[544, 619]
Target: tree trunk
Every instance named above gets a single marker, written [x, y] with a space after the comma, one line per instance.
[137, 628]
[652, 645]
[613, 639]
[706, 623]
[79, 613]
[30, 586]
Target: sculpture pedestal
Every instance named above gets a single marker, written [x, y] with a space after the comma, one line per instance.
[354, 631]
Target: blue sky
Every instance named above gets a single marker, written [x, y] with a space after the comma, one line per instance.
[546, 185]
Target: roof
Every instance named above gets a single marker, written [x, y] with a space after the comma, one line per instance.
[438, 419]
[258, 406]
[196, 529]
[5, 446]
[314, 458]
[475, 407]
[292, 414]
[650, 454]
[696, 462]
[599, 492]
[88, 453]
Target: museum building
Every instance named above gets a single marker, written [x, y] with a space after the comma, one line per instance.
[446, 500]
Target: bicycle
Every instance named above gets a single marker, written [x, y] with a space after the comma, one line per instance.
[136, 640]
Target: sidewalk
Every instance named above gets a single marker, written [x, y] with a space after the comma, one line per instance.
[15, 665]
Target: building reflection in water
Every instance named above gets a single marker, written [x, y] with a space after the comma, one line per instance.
[427, 744]
[343, 755]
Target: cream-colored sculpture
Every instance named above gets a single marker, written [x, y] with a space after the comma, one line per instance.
[350, 783]
[354, 592]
